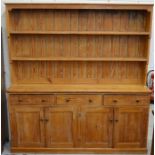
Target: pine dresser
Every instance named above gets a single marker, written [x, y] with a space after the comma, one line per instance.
[78, 75]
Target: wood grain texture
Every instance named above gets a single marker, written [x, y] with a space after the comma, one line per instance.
[130, 130]
[118, 100]
[78, 77]
[80, 150]
[122, 42]
[79, 99]
[61, 127]
[96, 127]
[78, 72]
[34, 46]
[80, 6]
[27, 126]
[62, 20]
[122, 59]
[85, 88]
[30, 99]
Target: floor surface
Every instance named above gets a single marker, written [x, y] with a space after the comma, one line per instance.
[151, 120]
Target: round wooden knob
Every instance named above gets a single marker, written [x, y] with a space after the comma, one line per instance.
[67, 100]
[111, 120]
[90, 101]
[137, 101]
[46, 120]
[115, 101]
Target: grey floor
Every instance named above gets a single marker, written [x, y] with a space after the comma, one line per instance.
[151, 120]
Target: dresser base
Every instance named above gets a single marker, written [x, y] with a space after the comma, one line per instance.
[79, 150]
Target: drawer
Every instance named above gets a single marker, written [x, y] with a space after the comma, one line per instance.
[126, 99]
[44, 99]
[84, 99]
[21, 99]
[31, 99]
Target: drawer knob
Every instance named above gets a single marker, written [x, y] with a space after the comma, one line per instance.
[110, 120]
[43, 100]
[19, 100]
[115, 101]
[67, 100]
[90, 101]
[46, 120]
[137, 101]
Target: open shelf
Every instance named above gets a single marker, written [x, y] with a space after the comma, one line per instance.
[47, 88]
[76, 59]
[80, 32]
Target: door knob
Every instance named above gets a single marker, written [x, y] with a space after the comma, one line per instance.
[111, 120]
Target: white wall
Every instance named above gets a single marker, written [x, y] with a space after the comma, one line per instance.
[4, 34]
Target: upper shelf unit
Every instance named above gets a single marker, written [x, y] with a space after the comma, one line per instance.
[78, 44]
[87, 22]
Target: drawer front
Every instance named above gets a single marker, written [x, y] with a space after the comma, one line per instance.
[84, 99]
[126, 99]
[31, 99]
[21, 99]
[44, 99]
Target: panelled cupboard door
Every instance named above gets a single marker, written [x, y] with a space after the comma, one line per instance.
[130, 127]
[27, 127]
[97, 127]
[61, 126]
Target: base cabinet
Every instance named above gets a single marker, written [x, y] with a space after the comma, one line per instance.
[130, 127]
[61, 126]
[76, 123]
[27, 127]
[96, 127]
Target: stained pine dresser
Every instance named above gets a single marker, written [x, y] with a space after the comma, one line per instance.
[78, 75]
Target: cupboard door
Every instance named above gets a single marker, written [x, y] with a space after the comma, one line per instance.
[27, 127]
[61, 126]
[130, 127]
[96, 127]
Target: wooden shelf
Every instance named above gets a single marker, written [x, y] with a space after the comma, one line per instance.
[47, 88]
[80, 32]
[106, 6]
[76, 59]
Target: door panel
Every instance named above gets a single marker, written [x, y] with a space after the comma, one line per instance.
[27, 125]
[96, 126]
[61, 126]
[130, 127]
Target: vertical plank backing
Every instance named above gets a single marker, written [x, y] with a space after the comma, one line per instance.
[78, 46]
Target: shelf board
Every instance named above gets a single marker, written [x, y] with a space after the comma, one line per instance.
[80, 32]
[79, 88]
[76, 59]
